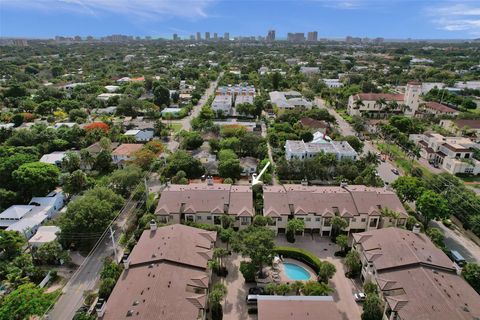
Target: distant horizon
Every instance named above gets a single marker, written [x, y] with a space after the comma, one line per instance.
[389, 19]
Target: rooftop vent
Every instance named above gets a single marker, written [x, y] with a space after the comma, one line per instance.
[153, 225]
[416, 228]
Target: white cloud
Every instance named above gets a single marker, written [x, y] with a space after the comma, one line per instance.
[456, 17]
[148, 9]
[343, 4]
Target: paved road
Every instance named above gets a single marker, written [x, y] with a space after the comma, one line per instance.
[269, 151]
[185, 122]
[384, 168]
[455, 240]
[88, 273]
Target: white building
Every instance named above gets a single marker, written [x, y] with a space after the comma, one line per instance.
[172, 111]
[288, 100]
[453, 154]
[26, 219]
[305, 150]
[369, 103]
[55, 158]
[333, 83]
[309, 70]
[112, 89]
[222, 103]
[140, 135]
[44, 235]
[107, 96]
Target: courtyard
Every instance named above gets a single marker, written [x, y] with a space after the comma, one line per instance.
[235, 306]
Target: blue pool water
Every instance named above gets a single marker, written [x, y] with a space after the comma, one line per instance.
[295, 272]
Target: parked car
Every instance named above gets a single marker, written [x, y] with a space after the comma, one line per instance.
[395, 171]
[359, 296]
[256, 290]
[252, 299]
[458, 258]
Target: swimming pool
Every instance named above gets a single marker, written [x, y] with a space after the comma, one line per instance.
[295, 272]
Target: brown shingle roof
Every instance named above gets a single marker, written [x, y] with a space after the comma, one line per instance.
[297, 308]
[200, 197]
[470, 123]
[439, 107]
[127, 149]
[326, 201]
[313, 123]
[167, 278]
[424, 293]
[394, 247]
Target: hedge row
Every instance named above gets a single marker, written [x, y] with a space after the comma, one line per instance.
[299, 254]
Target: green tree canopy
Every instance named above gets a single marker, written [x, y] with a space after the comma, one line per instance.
[36, 178]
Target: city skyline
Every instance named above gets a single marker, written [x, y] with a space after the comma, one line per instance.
[331, 19]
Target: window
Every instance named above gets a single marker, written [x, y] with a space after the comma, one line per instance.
[354, 220]
[190, 218]
[279, 218]
[363, 219]
[308, 219]
[244, 220]
[327, 222]
[317, 219]
[209, 217]
[217, 220]
[373, 222]
[199, 218]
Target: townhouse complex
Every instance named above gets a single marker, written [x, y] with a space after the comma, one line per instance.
[415, 278]
[227, 97]
[289, 100]
[165, 276]
[360, 206]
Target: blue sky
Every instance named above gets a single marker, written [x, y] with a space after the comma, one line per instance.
[424, 19]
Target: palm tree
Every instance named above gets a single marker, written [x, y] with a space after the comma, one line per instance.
[219, 254]
[371, 158]
[358, 103]
[391, 105]
[227, 221]
[86, 158]
[297, 286]
[381, 102]
[389, 213]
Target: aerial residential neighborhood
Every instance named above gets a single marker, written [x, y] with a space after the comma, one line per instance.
[214, 160]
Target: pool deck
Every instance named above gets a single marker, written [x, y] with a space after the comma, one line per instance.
[283, 275]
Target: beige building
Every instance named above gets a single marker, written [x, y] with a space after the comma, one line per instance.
[361, 206]
[438, 109]
[165, 277]
[297, 308]
[461, 127]
[416, 280]
[206, 203]
[453, 154]
[368, 103]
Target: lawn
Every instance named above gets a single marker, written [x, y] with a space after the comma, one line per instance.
[176, 127]
[401, 159]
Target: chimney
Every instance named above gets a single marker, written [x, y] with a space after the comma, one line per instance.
[153, 225]
[343, 184]
[416, 228]
[126, 262]
[304, 182]
[209, 181]
[100, 307]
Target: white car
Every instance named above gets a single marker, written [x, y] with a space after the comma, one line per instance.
[359, 296]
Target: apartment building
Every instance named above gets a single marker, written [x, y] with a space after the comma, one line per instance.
[206, 203]
[288, 100]
[298, 149]
[453, 154]
[226, 96]
[416, 280]
[164, 277]
[360, 206]
[461, 127]
[369, 103]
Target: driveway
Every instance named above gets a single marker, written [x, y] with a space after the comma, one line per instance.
[235, 306]
[344, 288]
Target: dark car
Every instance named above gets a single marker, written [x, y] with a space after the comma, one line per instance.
[395, 171]
[256, 290]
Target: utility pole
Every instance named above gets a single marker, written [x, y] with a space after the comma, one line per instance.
[114, 245]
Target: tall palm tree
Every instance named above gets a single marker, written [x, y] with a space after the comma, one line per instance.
[358, 103]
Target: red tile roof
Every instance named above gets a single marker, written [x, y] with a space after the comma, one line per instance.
[439, 107]
[377, 96]
[127, 149]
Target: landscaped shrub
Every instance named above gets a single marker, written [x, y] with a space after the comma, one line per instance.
[302, 255]
[290, 236]
[248, 271]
